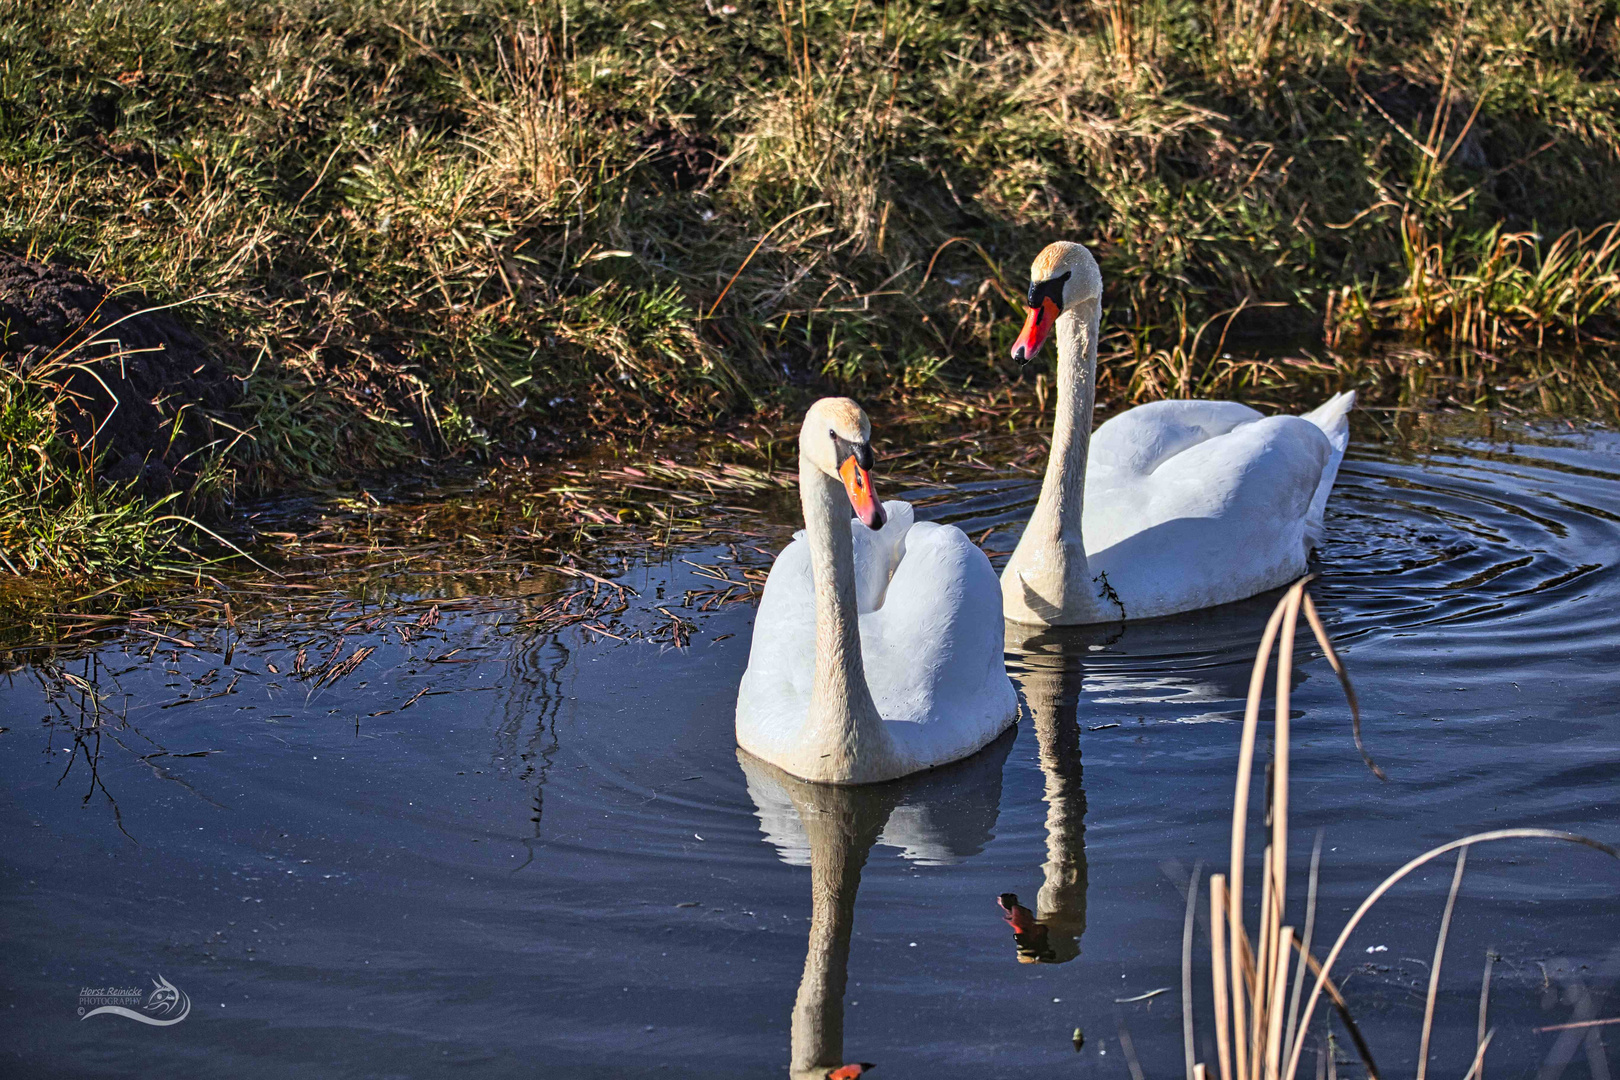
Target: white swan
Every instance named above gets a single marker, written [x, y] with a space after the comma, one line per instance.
[877, 645]
[1169, 507]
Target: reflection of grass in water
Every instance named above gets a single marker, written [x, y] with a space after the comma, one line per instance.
[1260, 1026]
[296, 644]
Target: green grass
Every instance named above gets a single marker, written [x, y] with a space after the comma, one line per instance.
[59, 518]
[432, 227]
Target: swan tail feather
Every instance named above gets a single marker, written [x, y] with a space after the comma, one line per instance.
[1333, 417]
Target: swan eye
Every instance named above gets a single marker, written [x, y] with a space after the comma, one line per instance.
[843, 450]
[1050, 289]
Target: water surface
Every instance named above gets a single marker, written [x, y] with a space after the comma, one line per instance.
[494, 848]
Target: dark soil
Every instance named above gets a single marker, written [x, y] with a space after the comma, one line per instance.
[682, 161]
[143, 392]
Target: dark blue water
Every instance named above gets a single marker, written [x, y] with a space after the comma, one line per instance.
[541, 855]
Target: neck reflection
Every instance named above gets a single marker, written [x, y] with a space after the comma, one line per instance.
[1051, 659]
[937, 818]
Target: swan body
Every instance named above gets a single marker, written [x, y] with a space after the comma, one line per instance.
[876, 652]
[1169, 507]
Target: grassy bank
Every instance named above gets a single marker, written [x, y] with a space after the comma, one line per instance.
[423, 228]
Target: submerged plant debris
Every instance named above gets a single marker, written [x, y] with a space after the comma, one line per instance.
[502, 528]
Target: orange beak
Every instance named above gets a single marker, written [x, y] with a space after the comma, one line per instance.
[1036, 329]
[858, 482]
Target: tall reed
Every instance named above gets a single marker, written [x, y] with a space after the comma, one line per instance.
[1258, 978]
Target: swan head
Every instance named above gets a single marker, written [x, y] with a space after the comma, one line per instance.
[837, 440]
[1063, 276]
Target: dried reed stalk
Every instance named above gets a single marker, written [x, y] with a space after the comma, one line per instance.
[1259, 1029]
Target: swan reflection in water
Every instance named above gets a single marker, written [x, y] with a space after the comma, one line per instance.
[1197, 662]
[1050, 663]
[934, 819]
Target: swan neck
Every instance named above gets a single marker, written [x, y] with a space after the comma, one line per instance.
[844, 740]
[1048, 580]
[1064, 487]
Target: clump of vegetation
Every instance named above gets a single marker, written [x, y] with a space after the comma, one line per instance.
[115, 423]
[437, 227]
[53, 516]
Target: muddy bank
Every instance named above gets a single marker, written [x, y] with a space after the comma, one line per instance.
[138, 392]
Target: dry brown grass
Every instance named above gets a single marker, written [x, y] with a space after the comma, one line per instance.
[485, 227]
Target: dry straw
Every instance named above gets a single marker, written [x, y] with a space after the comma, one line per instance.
[1260, 1029]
